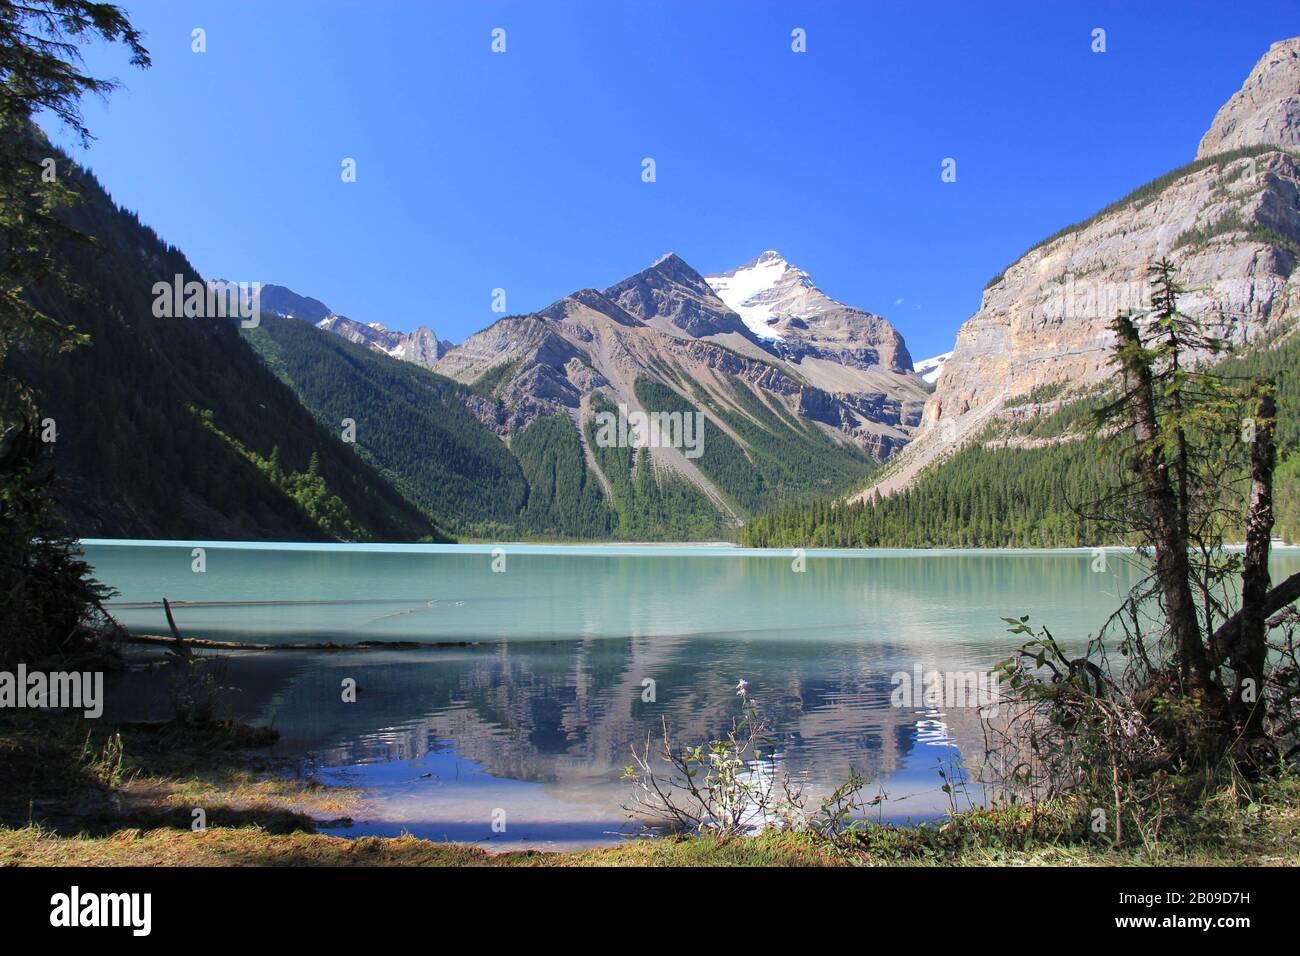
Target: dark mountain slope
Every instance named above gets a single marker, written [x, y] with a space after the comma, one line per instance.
[410, 423]
[171, 427]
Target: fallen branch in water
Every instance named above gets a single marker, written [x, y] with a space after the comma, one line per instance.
[160, 640]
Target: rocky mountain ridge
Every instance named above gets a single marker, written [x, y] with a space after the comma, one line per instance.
[422, 346]
[668, 324]
[1266, 110]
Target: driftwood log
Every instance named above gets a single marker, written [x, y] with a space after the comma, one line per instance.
[160, 640]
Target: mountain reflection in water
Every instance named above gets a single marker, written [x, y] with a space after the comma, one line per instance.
[536, 716]
[442, 738]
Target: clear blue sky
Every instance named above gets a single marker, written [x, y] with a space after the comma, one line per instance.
[523, 170]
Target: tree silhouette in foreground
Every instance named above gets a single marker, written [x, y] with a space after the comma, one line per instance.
[46, 595]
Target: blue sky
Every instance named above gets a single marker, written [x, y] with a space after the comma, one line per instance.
[522, 170]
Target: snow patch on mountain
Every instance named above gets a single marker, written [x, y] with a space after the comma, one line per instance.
[780, 303]
[930, 368]
[745, 289]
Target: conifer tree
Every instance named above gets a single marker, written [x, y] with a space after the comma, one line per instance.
[46, 594]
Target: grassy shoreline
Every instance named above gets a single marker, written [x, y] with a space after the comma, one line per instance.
[125, 795]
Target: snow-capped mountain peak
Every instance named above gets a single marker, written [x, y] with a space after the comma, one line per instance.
[779, 302]
[754, 290]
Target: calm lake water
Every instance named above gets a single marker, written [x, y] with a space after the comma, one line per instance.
[536, 715]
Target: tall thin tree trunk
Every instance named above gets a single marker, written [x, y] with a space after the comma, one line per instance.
[1247, 653]
[1170, 541]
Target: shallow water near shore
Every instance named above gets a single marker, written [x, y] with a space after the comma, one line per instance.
[557, 660]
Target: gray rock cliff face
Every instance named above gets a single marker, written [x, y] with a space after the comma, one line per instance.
[422, 347]
[1230, 221]
[1266, 110]
[1230, 227]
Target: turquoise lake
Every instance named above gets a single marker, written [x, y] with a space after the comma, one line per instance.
[533, 703]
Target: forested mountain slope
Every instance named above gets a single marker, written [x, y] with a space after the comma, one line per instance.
[172, 427]
[415, 428]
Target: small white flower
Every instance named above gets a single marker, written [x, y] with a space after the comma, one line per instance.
[742, 688]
